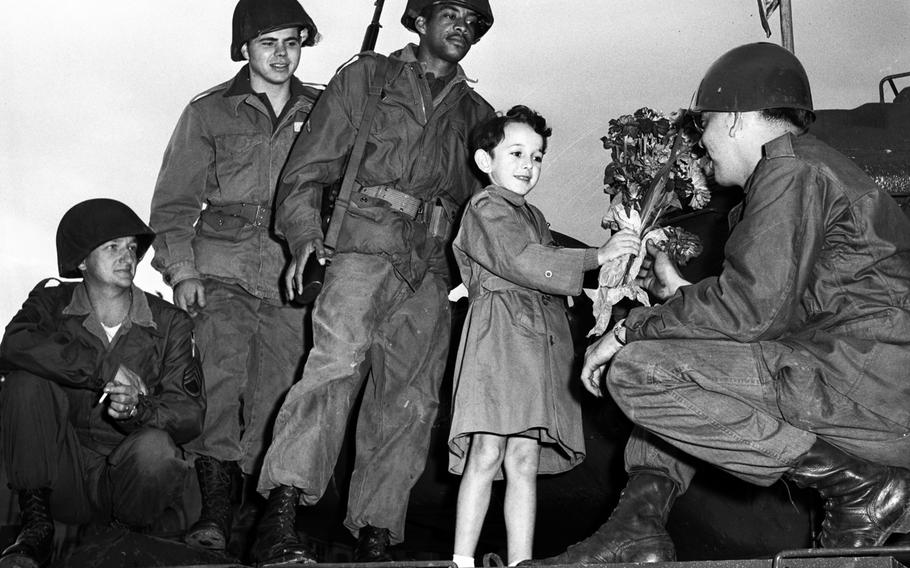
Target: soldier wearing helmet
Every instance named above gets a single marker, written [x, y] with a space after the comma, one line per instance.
[791, 363]
[101, 389]
[217, 249]
[383, 311]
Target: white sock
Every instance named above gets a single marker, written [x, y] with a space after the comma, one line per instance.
[463, 561]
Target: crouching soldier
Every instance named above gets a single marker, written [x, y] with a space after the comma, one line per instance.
[101, 388]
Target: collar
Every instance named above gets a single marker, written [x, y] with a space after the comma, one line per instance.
[510, 196]
[241, 86]
[140, 312]
[780, 147]
[408, 54]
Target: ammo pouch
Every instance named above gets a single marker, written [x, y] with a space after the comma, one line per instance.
[228, 221]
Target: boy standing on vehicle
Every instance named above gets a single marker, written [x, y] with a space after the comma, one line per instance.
[384, 304]
[212, 210]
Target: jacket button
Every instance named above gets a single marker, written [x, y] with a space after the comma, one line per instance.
[548, 273]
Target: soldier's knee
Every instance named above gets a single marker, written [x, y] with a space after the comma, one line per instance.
[629, 373]
[154, 451]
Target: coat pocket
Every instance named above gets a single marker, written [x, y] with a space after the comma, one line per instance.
[238, 166]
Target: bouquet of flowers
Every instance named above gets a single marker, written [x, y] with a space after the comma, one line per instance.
[657, 167]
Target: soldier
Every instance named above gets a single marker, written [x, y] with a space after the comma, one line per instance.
[792, 363]
[212, 209]
[384, 303]
[101, 389]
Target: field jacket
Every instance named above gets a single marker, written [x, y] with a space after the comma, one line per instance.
[417, 144]
[56, 336]
[225, 153]
[817, 275]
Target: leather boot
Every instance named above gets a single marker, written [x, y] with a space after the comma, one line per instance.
[636, 530]
[372, 545]
[864, 502]
[35, 544]
[277, 541]
[213, 529]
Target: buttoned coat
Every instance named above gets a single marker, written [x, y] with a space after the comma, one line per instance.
[514, 369]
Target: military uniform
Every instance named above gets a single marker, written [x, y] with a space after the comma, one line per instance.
[212, 210]
[805, 333]
[384, 302]
[53, 432]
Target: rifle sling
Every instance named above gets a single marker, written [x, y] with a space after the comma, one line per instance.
[356, 157]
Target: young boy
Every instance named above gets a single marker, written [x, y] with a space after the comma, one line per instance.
[512, 406]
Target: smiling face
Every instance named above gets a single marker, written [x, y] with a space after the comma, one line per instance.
[273, 57]
[112, 264]
[448, 33]
[515, 162]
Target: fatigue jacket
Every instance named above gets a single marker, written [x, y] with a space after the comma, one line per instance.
[417, 144]
[817, 275]
[225, 152]
[56, 336]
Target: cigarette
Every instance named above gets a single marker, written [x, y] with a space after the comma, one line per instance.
[103, 397]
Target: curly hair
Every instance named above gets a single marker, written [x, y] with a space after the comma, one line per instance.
[487, 135]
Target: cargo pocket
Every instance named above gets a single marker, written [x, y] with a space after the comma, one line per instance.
[371, 227]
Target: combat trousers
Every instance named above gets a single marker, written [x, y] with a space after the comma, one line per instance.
[133, 482]
[364, 319]
[251, 351]
[717, 401]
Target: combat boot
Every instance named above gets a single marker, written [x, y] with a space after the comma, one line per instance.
[636, 530]
[865, 503]
[213, 529]
[35, 544]
[277, 541]
[372, 545]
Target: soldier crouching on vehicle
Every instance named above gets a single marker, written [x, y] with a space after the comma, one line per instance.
[101, 388]
[789, 365]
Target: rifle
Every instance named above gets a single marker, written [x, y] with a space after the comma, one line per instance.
[369, 39]
[313, 272]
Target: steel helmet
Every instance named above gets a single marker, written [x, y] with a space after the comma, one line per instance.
[92, 223]
[753, 77]
[482, 7]
[254, 17]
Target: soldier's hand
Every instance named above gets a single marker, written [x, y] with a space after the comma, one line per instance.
[293, 276]
[658, 274]
[597, 356]
[189, 295]
[123, 391]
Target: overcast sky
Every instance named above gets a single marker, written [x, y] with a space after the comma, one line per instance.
[92, 89]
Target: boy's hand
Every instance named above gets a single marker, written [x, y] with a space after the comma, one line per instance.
[624, 242]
